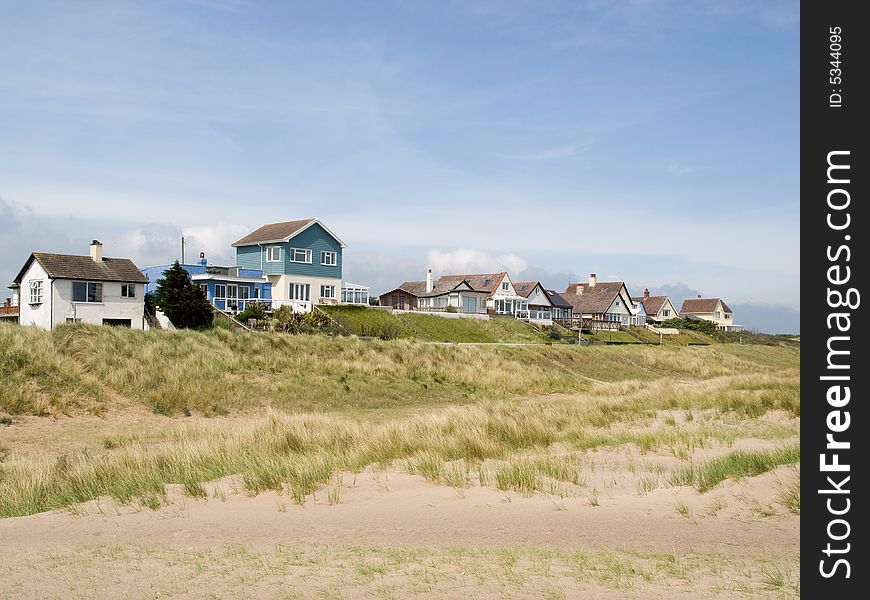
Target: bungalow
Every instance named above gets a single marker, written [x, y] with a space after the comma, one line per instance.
[658, 308]
[442, 295]
[229, 289]
[543, 305]
[600, 300]
[302, 260]
[709, 309]
[561, 308]
[62, 288]
[500, 296]
[638, 314]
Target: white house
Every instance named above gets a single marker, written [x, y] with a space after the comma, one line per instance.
[501, 297]
[61, 288]
[710, 309]
[601, 301]
[658, 308]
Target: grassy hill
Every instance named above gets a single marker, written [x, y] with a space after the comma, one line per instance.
[385, 325]
[87, 368]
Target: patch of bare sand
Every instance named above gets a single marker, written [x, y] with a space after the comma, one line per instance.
[397, 535]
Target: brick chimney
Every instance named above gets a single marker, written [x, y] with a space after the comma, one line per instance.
[645, 293]
[97, 251]
[429, 284]
[593, 279]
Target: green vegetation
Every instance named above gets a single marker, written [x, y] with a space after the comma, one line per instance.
[454, 414]
[78, 367]
[181, 301]
[382, 324]
[740, 463]
[700, 325]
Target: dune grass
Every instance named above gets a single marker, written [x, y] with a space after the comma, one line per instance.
[383, 324]
[297, 454]
[740, 463]
[78, 367]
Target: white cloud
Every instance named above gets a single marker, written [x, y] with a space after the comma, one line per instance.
[214, 240]
[465, 260]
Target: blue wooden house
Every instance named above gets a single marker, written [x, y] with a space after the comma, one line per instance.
[302, 260]
[227, 288]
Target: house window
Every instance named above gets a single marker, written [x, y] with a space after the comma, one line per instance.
[128, 290]
[273, 254]
[328, 258]
[36, 292]
[86, 291]
[300, 291]
[256, 293]
[718, 314]
[666, 312]
[300, 255]
[505, 286]
[220, 290]
[73, 320]
[327, 291]
[204, 288]
[244, 292]
[617, 303]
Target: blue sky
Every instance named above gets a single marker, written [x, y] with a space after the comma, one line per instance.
[651, 141]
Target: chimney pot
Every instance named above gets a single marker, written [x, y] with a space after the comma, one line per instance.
[593, 279]
[97, 251]
[699, 296]
[646, 292]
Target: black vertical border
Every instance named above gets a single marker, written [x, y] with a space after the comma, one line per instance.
[825, 129]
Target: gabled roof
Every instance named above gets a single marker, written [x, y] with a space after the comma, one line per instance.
[594, 299]
[652, 304]
[557, 300]
[479, 282]
[439, 288]
[68, 266]
[703, 305]
[281, 232]
[525, 288]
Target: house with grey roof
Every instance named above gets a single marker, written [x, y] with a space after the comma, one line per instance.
[709, 309]
[54, 289]
[543, 305]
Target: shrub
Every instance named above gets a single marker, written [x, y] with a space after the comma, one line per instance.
[183, 303]
[254, 310]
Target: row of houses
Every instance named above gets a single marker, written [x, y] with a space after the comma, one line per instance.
[291, 263]
[299, 264]
[592, 304]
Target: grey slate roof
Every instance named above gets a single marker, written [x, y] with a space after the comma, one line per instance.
[68, 266]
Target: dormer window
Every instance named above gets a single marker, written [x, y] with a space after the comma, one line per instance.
[273, 254]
